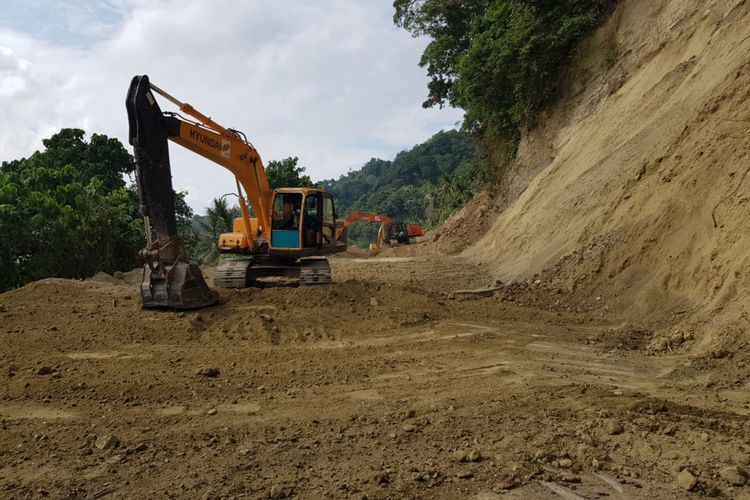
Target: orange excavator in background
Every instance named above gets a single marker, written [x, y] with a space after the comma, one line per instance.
[383, 219]
[389, 231]
[291, 233]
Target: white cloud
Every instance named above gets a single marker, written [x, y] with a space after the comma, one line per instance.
[333, 82]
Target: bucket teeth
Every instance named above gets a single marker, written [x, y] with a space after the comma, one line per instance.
[179, 286]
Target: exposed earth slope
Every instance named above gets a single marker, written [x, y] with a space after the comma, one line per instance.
[633, 188]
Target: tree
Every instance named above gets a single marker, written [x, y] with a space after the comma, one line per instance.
[184, 214]
[286, 173]
[497, 59]
[66, 211]
[449, 194]
[218, 219]
[448, 24]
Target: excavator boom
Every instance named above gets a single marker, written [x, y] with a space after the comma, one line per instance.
[168, 280]
[368, 217]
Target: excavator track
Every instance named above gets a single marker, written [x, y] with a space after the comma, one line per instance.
[232, 273]
[314, 272]
[242, 273]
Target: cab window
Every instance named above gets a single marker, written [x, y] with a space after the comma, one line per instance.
[286, 210]
[311, 207]
[328, 214]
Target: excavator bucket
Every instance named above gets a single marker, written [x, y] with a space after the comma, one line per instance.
[180, 286]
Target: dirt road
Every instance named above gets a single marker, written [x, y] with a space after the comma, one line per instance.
[384, 384]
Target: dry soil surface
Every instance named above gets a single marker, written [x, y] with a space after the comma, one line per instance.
[384, 384]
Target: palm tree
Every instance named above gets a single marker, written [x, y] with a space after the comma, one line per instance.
[218, 219]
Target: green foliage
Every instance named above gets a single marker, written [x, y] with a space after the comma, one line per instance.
[102, 157]
[361, 234]
[404, 188]
[448, 195]
[448, 24]
[184, 214]
[497, 59]
[66, 211]
[286, 173]
[218, 220]
[350, 188]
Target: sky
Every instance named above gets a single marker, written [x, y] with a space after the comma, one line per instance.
[333, 82]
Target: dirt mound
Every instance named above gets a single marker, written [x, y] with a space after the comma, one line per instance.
[414, 390]
[624, 174]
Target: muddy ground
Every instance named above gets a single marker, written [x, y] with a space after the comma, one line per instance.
[384, 384]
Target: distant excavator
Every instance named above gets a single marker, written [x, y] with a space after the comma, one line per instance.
[292, 231]
[389, 231]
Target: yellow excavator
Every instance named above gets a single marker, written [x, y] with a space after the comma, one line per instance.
[292, 230]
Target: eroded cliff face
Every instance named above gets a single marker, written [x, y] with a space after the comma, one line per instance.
[632, 188]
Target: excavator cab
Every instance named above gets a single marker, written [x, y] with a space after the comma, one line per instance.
[303, 222]
[397, 231]
[303, 230]
[285, 222]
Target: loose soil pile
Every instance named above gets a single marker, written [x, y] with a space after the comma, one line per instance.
[384, 384]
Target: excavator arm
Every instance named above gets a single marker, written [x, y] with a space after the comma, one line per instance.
[168, 280]
[148, 136]
[207, 138]
[239, 158]
[368, 217]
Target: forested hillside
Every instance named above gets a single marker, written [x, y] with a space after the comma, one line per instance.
[67, 212]
[499, 60]
[424, 184]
